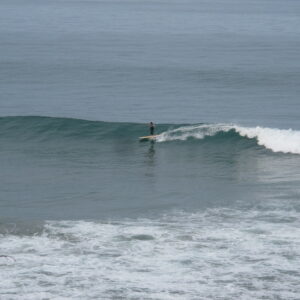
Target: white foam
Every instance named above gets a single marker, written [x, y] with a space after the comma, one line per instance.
[277, 140]
[193, 131]
[219, 253]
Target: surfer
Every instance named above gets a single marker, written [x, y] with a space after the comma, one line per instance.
[151, 126]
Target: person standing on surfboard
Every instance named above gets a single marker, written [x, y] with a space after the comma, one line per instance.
[151, 126]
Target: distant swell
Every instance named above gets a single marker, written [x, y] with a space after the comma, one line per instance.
[43, 129]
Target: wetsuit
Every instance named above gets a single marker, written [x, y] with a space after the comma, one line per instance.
[152, 129]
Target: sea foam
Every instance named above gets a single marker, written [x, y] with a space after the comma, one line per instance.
[276, 140]
[202, 255]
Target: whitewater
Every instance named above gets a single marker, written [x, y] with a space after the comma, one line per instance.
[277, 140]
[222, 253]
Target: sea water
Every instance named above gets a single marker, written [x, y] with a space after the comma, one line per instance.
[210, 210]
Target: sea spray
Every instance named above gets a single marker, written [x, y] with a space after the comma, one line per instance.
[274, 139]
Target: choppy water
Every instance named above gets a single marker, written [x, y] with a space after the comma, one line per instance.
[208, 211]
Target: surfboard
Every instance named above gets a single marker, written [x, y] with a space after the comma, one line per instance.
[148, 138]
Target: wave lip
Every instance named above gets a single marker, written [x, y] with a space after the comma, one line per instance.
[274, 139]
[277, 140]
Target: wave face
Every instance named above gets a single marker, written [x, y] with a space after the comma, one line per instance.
[47, 128]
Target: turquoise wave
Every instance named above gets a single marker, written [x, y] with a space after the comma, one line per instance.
[44, 128]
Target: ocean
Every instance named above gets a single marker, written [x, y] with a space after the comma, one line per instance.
[210, 209]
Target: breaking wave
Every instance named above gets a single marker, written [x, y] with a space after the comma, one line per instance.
[24, 128]
[277, 140]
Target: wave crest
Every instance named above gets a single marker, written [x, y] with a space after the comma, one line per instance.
[276, 140]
